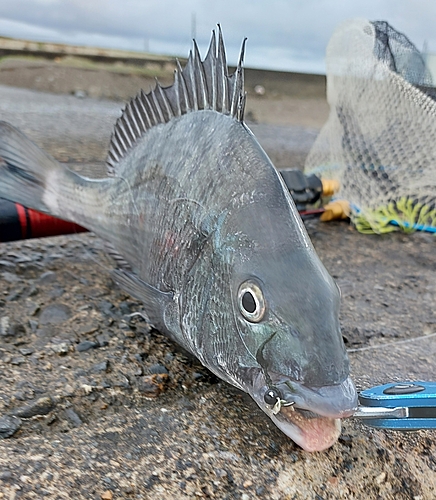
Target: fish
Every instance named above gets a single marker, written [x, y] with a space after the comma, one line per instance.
[210, 241]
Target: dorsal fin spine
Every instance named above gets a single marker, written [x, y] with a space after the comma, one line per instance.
[177, 92]
[200, 85]
[165, 100]
[210, 63]
[128, 128]
[153, 118]
[134, 120]
[138, 116]
[144, 111]
[186, 104]
[158, 108]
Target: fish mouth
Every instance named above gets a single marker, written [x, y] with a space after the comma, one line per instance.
[313, 420]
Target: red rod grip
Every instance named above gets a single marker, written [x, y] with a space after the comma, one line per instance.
[18, 222]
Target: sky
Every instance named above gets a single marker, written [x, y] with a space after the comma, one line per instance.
[288, 35]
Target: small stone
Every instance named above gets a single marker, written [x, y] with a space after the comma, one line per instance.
[41, 406]
[103, 339]
[54, 314]
[26, 351]
[247, 484]
[81, 94]
[107, 495]
[73, 417]
[86, 345]
[18, 360]
[61, 348]
[380, 478]
[100, 367]
[9, 328]
[244, 496]
[5, 475]
[47, 277]
[153, 385]
[88, 328]
[158, 369]
[9, 426]
[10, 277]
[32, 307]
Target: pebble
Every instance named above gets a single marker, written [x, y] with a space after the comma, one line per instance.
[47, 277]
[9, 426]
[380, 478]
[9, 328]
[153, 385]
[107, 495]
[26, 351]
[158, 369]
[54, 314]
[5, 475]
[18, 360]
[86, 345]
[100, 367]
[10, 277]
[73, 417]
[61, 348]
[41, 406]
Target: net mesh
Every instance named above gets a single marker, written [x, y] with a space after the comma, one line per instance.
[380, 138]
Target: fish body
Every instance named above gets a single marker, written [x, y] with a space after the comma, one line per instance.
[211, 243]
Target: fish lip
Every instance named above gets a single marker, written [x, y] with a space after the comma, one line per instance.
[332, 401]
[313, 420]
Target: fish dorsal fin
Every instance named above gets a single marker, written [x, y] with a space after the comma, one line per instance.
[199, 85]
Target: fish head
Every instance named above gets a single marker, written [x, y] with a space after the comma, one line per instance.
[286, 308]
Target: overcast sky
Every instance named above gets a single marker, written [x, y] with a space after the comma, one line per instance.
[282, 34]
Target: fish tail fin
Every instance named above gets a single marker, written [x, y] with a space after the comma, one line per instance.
[25, 170]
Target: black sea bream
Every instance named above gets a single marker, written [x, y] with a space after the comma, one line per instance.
[212, 243]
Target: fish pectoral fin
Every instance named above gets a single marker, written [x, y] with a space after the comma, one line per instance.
[154, 300]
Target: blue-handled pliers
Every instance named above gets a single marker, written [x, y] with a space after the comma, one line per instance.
[404, 406]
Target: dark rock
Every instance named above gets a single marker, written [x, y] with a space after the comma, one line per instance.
[9, 426]
[100, 367]
[54, 314]
[158, 368]
[9, 328]
[32, 308]
[47, 277]
[5, 475]
[33, 325]
[73, 417]
[103, 339]
[41, 406]
[86, 345]
[10, 277]
[26, 351]
[18, 360]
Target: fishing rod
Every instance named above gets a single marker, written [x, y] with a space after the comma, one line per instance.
[19, 223]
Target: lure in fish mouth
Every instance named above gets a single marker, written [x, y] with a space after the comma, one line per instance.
[291, 407]
[208, 238]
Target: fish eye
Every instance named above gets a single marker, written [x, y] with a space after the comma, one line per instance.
[251, 302]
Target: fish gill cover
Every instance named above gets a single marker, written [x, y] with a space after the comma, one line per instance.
[380, 137]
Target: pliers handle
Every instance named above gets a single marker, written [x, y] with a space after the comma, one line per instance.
[402, 406]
